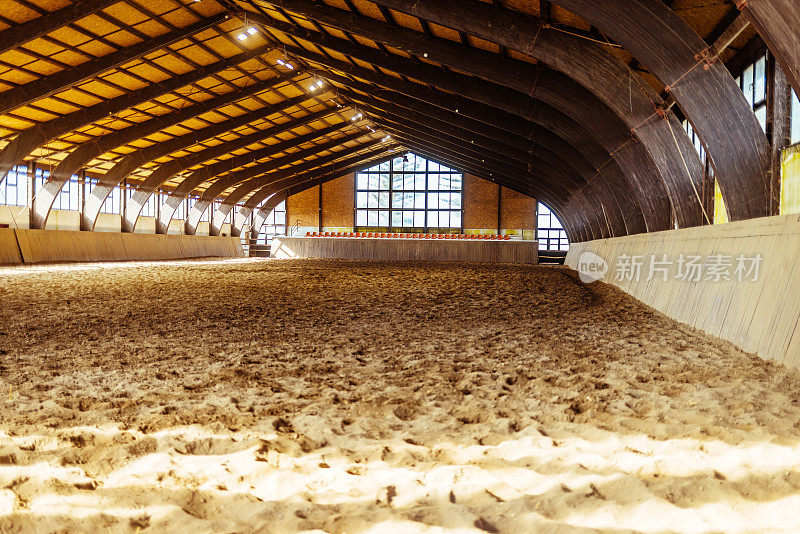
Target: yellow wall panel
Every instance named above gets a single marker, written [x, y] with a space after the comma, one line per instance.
[790, 180]
[720, 211]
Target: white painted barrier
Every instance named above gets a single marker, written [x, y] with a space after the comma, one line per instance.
[760, 315]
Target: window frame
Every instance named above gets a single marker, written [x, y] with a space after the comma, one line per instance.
[545, 242]
[406, 184]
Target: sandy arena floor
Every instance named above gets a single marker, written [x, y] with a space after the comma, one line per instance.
[284, 396]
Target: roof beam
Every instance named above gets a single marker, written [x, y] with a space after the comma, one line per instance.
[279, 192]
[777, 21]
[54, 83]
[35, 28]
[672, 50]
[169, 206]
[27, 141]
[87, 151]
[596, 68]
[578, 106]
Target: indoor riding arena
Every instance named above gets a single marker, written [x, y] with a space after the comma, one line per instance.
[399, 266]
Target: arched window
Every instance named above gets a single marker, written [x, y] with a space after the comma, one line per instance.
[409, 193]
[550, 231]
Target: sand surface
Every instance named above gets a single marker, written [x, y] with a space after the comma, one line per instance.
[284, 396]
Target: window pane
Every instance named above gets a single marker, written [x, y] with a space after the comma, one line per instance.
[455, 219]
[419, 201]
[372, 201]
[760, 82]
[747, 80]
[419, 219]
[397, 182]
[362, 181]
[362, 199]
[761, 115]
[433, 219]
[397, 218]
[383, 200]
[383, 218]
[372, 218]
[397, 200]
[408, 219]
[419, 182]
[361, 218]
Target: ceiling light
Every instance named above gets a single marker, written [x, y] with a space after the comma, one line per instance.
[242, 36]
[281, 62]
[251, 31]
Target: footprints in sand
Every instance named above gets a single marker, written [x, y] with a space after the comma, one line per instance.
[402, 398]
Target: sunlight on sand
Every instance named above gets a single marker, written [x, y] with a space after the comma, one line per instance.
[288, 396]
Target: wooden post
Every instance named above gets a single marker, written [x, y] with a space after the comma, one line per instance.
[779, 117]
[499, 209]
[31, 177]
[319, 196]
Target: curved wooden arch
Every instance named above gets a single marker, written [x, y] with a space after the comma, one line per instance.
[88, 151]
[588, 63]
[27, 141]
[250, 184]
[579, 148]
[541, 113]
[543, 86]
[542, 172]
[778, 23]
[558, 197]
[633, 218]
[136, 159]
[168, 208]
[584, 221]
[703, 88]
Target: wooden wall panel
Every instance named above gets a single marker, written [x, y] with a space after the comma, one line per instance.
[39, 246]
[761, 316]
[9, 249]
[523, 252]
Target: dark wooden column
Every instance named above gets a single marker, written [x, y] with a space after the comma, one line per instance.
[779, 124]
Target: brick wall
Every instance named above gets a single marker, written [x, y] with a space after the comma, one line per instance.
[517, 212]
[302, 210]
